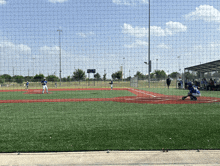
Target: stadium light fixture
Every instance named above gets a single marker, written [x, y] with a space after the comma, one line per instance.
[149, 66]
[59, 30]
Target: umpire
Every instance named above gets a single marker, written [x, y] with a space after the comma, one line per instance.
[168, 81]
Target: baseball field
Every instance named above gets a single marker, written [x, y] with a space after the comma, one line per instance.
[89, 119]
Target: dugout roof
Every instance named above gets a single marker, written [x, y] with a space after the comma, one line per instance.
[206, 67]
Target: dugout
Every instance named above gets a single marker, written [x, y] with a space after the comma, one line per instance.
[203, 68]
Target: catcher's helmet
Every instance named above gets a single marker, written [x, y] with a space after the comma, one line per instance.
[190, 84]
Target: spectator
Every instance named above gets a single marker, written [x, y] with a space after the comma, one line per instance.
[179, 82]
[186, 83]
[211, 85]
[202, 84]
[215, 83]
[168, 81]
[205, 84]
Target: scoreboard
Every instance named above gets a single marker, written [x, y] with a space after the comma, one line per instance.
[91, 71]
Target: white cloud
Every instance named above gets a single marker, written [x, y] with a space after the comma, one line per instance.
[2, 2]
[204, 12]
[171, 28]
[163, 46]
[130, 2]
[82, 34]
[175, 27]
[58, 1]
[137, 43]
[157, 31]
[54, 52]
[9, 48]
[49, 51]
[134, 31]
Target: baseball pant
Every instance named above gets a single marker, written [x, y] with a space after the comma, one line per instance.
[45, 87]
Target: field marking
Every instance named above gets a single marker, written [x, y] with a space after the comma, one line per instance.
[142, 96]
[141, 91]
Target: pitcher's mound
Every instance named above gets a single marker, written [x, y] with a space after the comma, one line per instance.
[35, 91]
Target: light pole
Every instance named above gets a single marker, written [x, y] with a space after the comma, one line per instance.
[157, 64]
[148, 72]
[179, 63]
[13, 71]
[124, 67]
[104, 75]
[60, 53]
[33, 65]
[149, 66]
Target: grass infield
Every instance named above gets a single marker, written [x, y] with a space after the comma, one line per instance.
[79, 126]
[180, 92]
[65, 94]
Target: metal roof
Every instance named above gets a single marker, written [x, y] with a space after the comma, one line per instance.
[206, 67]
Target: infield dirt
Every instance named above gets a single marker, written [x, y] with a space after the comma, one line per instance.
[142, 97]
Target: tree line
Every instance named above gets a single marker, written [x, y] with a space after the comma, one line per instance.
[79, 75]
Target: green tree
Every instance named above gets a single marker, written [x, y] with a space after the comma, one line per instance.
[38, 77]
[68, 78]
[97, 76]
[7, 77]
[160, 74]
[117, 75]
[18, 79]
[52, 78]
[104, 76]
[2, 79]
[140, 75]
[189, 75]
[174, 74]
[113, 76]
[79, 74]
[64, 79]
[128, 78]
[28, 78]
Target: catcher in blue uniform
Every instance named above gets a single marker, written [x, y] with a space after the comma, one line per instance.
[193, 92]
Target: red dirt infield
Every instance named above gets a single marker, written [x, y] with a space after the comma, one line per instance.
[142, 97]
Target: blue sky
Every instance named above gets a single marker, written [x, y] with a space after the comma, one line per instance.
[105, 34]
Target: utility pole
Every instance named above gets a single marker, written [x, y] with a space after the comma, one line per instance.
[149, 64]
[124, 67]
[33, 65]
[60, 52]
[104, 75]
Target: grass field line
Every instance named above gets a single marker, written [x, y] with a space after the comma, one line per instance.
[141, 91]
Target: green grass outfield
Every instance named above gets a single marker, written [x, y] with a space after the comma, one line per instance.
[79, 126]
[65, 94]
[180, 92]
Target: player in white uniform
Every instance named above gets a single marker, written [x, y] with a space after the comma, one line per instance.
[44, 83]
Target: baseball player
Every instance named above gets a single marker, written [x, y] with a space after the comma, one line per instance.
[44, 83]
[111, 83]
[27, 84]
[168, 81]
[193, 92]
